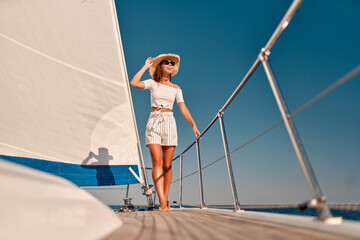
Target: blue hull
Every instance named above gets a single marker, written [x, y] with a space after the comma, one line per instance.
[82, 175]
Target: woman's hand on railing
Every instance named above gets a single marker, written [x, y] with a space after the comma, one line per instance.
[196, 131]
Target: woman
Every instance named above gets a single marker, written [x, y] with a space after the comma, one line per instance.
[161, 131]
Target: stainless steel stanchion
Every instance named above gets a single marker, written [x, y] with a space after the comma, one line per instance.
[322, 209]
[180, 184]
[202, 203]
[228, 162]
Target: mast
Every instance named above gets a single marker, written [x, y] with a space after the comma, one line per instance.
[149, 197]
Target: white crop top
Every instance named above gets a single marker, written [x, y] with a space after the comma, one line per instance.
[162, 94]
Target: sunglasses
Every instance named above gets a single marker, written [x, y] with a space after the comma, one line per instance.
[166, 62]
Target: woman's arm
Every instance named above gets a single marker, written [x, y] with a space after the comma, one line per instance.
[186, 113]
[135, 82]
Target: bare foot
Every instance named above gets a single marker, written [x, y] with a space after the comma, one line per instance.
[163, 207]
[168, 209]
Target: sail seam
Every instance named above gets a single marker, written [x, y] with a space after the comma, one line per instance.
[27, 151]
[61, 62]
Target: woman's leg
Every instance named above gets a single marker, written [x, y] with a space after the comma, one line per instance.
[168, 153]
[157, 173]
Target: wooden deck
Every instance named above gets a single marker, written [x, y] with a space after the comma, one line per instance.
[212, 224]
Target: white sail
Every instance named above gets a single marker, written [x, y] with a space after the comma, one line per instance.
[65, 98]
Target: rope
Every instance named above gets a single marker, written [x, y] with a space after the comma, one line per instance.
[350, 75]
[344, 206]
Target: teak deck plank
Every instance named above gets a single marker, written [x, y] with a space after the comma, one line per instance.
[190, 224]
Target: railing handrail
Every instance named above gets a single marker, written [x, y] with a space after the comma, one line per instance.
[319, 198]
[347, 77]
[266, 50]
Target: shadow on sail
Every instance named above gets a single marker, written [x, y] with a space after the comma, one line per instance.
[104, 175]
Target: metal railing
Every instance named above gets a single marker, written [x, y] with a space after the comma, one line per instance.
[319, 201]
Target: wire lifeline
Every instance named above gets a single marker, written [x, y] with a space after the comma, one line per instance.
[346, 78]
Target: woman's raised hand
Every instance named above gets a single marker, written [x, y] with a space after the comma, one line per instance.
[149, 62]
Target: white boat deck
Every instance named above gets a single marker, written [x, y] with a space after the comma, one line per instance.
[219, 224]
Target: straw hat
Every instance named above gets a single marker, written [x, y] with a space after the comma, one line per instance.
[158, 59]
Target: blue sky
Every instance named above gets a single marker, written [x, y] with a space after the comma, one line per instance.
[218, 43]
